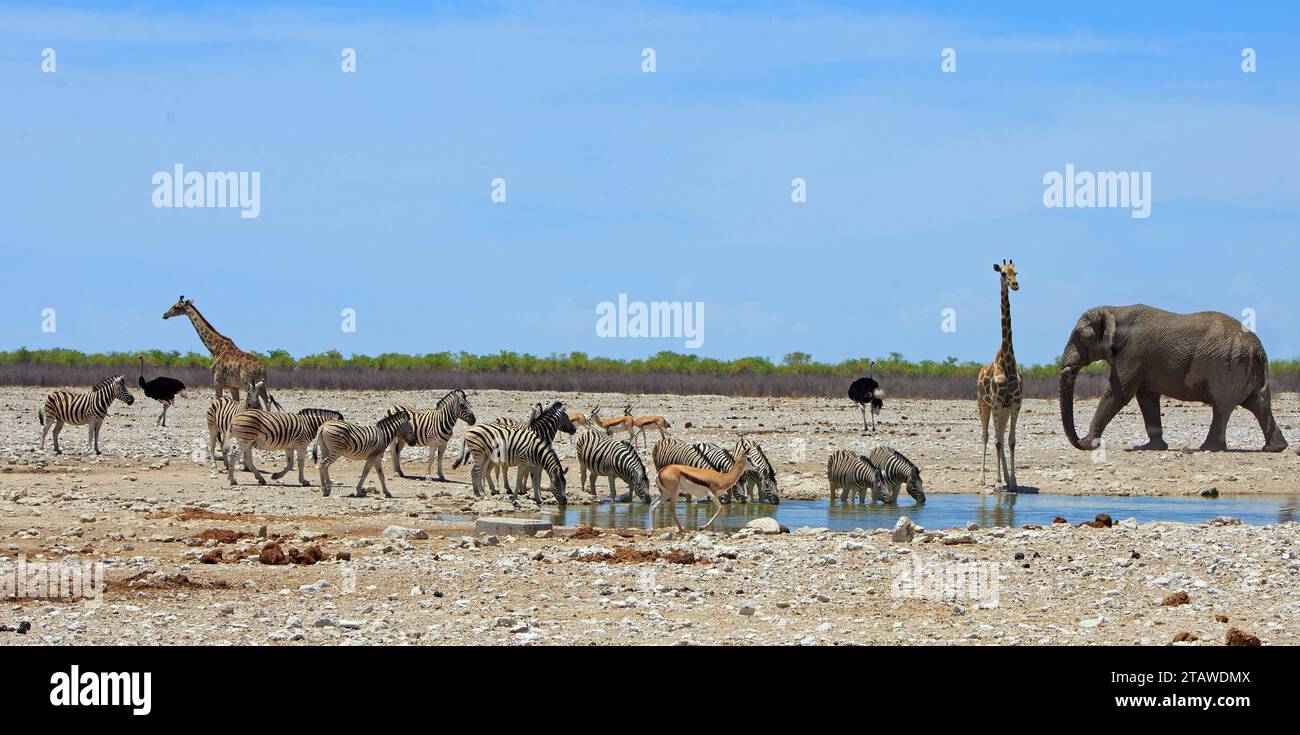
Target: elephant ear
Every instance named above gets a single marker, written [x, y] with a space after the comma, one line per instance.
[1107, 334]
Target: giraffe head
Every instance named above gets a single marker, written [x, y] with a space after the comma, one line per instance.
[180, 308]
[1008, 271]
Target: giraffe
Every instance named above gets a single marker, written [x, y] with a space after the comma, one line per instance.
[231, 366]
[999, 386]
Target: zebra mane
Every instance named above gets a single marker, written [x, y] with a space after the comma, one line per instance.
[771, 471]
[106, 383]
[456, 392]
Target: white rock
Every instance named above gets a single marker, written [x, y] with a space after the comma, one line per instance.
[903, 531]
[403, 532]
[766, 524]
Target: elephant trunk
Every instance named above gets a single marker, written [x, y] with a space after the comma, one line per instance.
[1068, 377]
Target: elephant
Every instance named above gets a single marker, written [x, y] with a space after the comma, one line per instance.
[1206, 357]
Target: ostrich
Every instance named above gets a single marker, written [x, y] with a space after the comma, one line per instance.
[867, 390]
[162, 390]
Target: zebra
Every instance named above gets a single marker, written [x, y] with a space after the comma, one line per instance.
[758, 480]
[78, 409]
[433, 428]
[324, 414]
[603, 456]
[849, 472]
[481, 439]
[354, 441]
[896, 470]
[671, 451]
[266, 430]
[525, 447]
[220, 413]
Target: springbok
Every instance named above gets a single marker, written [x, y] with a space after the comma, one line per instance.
[643, 424]
[622, 423]
[579, 419]
[676, 479]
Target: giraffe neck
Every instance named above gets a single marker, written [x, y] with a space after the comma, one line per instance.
[212, 339]
[1006, 352]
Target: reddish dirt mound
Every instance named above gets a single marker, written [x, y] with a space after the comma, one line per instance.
[633, 555]
[224, 535]
[1102, 521]
[1176, 599]
[1184, 636]
[1238, 637]
[144, 580]
[272, 554]
[1059, 519]
[312, 555]
[1221, 618]
[585, 532]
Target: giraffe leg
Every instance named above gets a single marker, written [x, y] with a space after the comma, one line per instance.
[1000, 418]
[1011, 442]
[984, 428]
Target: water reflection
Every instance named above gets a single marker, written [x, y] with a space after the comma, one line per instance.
[942, 511]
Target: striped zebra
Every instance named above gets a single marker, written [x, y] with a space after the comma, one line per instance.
[324, 414]
[339, 439]
[220, 413]
[255, 428]
[432, 429]
[851, 473]
[758, 480]
[673, 451]
[897, 470]
[605, 457]
[526, 448]
[482, 439]
[80, 409]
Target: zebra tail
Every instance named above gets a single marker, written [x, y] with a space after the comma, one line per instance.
[40, 416]
[460, 458]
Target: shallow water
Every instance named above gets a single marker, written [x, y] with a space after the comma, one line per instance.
[944, 511]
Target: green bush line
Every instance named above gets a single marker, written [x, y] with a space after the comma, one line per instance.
[795, 363]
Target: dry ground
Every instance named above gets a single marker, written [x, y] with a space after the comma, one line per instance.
[143, 505]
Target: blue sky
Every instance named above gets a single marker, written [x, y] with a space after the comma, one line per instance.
[675, 185]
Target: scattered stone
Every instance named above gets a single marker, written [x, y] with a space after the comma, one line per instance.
[1059, 519]
[1092, 622]
[417, 534]
[766, 524]
[343, 556]
[747, 609]
[904, 530]
[1210, 492]
[1221, 618]
[226, 608]
[212, 556]
[1224, 521]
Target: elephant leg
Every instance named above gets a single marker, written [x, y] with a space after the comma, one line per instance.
[1259, 404]
[1217, 439]
[1149, 402]
[1110, 405]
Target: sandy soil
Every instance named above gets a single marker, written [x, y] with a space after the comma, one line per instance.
[143, 507]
